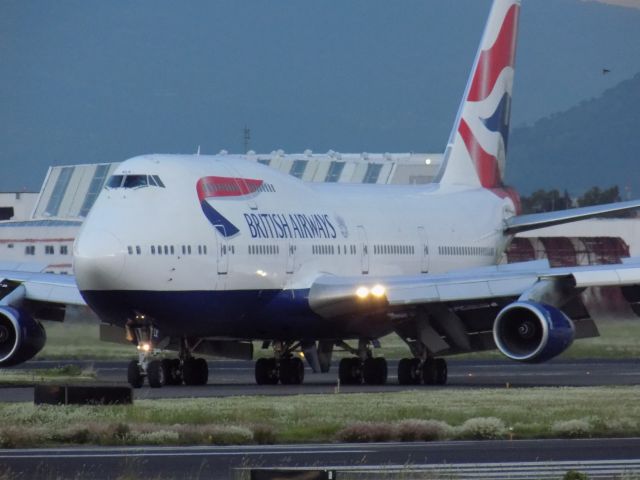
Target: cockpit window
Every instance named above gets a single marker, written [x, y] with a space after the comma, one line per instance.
[158, 181]
[115, 181]
[134, 181]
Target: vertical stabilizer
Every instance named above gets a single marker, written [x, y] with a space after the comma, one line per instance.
[476, 152]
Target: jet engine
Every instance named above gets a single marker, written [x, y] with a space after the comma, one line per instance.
[532, 332]
[21, 337]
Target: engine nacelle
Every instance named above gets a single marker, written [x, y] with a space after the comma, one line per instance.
[532, 332]
[21, 337]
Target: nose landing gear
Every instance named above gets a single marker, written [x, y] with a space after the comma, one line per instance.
[167, 371]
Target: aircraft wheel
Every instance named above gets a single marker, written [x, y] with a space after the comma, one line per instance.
[265, 371]
[374, 371]
[429, 372]
[350, 371]
[155, 374]
[441, 371]
[291, 371]
[171, 369]
[134, 377]
[409, 371]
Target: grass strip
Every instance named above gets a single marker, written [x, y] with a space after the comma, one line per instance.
[66, 373]
[426, 414]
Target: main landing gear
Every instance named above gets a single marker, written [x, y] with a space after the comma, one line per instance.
[167, 371]
[284, 367]
[430, 371]
[364, 367]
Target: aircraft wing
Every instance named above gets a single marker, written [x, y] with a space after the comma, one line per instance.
[522, 223]
[458, 311]
[333, 295]
[19, 286]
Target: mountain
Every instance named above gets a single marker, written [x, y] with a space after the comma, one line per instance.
[596, 143]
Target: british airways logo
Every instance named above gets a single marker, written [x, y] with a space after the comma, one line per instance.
[291, 225]
[261, 225]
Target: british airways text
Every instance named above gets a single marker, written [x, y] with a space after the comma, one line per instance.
[293, 225]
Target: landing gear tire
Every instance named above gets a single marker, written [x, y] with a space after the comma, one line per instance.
[171, 368]
[429, 372]
[350, 371]
[195, 371]
[409, 372]
[374, 371]
[266, 371]
[134, 377]
[291, 371]
[155, 374]
[441, 371]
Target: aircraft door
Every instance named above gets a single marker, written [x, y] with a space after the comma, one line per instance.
[364, 249]
[291, 258]
[423, 250]
[222, 253]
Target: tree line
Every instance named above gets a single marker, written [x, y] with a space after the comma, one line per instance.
[551, 200]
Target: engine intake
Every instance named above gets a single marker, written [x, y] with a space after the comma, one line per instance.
[21, 337]
[532, 332]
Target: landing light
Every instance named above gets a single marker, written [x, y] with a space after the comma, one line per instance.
[362, 292]
[145, 347]
[261, 273]
[378, 291]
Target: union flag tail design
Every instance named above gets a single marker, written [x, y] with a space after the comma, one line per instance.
[476, 151]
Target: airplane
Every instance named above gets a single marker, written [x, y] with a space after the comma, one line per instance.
[204, 255]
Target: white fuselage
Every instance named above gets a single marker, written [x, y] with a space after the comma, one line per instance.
[160, 239]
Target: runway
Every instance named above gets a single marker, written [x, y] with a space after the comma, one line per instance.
[601, 458]
[232, 378]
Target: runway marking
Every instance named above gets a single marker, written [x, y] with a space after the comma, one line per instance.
[504, 470]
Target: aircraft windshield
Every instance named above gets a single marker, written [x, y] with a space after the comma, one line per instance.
[134, 181]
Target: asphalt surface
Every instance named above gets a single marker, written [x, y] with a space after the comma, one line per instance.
[602, 458]
[232, 378]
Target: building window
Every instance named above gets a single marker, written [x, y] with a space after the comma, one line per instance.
[298, 167]
[335, 170]
[97, 182]
[30, 250]
[48, 249]
[64, 250]
[372, 173]
[53, 206]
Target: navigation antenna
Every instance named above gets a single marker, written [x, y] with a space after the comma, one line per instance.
[246, 138]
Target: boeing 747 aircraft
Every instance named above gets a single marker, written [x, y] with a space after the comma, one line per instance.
[203, 255]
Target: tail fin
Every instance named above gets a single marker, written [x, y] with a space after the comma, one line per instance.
[476, 151]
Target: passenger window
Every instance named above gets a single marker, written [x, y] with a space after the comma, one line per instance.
[153, 250]
[138, 251]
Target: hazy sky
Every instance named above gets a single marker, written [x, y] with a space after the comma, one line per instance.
[90, 81]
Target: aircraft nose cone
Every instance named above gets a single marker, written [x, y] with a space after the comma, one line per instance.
[98, 260]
